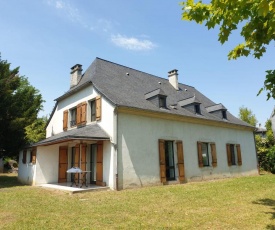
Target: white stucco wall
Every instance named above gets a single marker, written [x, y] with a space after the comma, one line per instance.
[47, 164]
[26, 172]
[138, 154]
[55, 125]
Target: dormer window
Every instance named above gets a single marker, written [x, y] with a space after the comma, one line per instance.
[191, 104]
[197, 109]
[218, 110]
[224, 116]
[162, 101]
[157, 97]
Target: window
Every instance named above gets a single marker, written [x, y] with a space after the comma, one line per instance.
[167, 161]
[206, 154]
[162, 102]
[197, 109]
[93, 110]
[73, 117]
[24, 159]
[224, 116]
[33, 156]
[234, 156]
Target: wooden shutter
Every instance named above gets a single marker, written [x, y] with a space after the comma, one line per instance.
[180, 161]
[98, 108]
[213, 154]
[76, 156]
[63, 164]
[65, 120]
[83, 157]
[228, 150]
[24, 159]
[33, 160]
[200, 154]
[76, 160]
[162, 161]
[99, 164]
[239, 154]
[78, 114]
[83, 112]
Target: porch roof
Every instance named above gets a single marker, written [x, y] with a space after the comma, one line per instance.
[88, 132]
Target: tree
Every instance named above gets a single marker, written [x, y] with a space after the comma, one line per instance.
[20, 104]
[266, 149]
[37, 130]
[256, 18]
[246, 115]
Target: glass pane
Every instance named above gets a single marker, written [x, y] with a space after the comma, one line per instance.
[233, 157]
[92, 110]
[93, 163]
[205, 157]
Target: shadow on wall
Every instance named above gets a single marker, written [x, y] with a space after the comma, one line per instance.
[271, 204]
[8, 181]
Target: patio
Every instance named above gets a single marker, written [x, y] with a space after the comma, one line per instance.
[66, 186]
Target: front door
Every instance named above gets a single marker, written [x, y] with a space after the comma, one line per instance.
[63, 164]
[169, 160]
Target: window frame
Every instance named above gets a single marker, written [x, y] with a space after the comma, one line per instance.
[92, 104]
[73, 123]
[234, 158]
[211, 154]
[207, 162]
[224, 114]
[162, 102]
[197, 109]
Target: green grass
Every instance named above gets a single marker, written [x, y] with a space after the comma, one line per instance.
[240, 203]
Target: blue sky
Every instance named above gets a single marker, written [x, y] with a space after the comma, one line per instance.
[47, 37]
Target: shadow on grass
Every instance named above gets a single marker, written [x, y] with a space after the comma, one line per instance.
[270, 203]
[9, 180]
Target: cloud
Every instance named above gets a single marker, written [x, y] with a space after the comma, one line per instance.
[70, 11]
[132, 43]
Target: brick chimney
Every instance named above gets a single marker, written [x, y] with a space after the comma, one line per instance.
[76, 73]
[173, 78]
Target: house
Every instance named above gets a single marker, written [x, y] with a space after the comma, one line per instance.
[261, 131]
[133, 129]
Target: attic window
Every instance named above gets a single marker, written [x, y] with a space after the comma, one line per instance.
[157, 97]
[162, 101]
[197, 109]
[224, 116]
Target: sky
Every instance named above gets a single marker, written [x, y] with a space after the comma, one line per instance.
[47, 37]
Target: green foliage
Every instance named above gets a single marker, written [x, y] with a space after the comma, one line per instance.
[20, 103]
[37, 130]
[256, 18]
[246, 115]
[271, 160]
[266, 149]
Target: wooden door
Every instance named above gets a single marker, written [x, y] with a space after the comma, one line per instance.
[63, 164]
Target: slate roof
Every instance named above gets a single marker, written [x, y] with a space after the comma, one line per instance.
[127, 87]
[88, 132]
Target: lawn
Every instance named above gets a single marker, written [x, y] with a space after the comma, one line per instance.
[240, 203]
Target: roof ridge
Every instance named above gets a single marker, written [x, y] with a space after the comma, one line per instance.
[139, 71]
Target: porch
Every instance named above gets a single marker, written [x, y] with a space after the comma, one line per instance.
[66, 186]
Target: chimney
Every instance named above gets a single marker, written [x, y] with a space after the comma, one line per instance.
[76, 73]
[173, 78]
